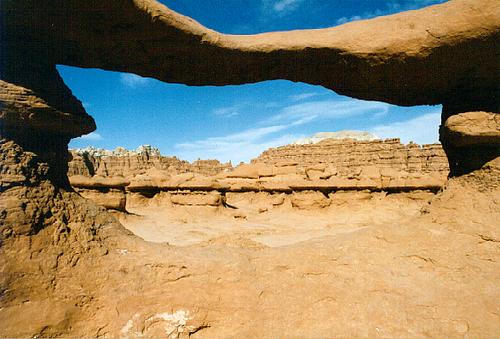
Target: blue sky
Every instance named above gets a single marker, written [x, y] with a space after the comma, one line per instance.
[237, 123]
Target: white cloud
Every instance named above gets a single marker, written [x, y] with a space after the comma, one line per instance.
[304, 96]
[280, 7]
[330, 109]
[286, 5]
[133, 80]
[421, 130]
[232, 151]
[227, 112]
[94, 136]
[345, 19]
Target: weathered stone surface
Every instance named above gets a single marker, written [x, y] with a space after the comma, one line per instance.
[431, 274]
[348, 158]
[114, 199]
[327, 166]
[310, 200]
[22, 107]
[252, 171]
[470, 140]
[403, 59]
[131, 163]
[98, 182]
[320, 136]
[197, 199]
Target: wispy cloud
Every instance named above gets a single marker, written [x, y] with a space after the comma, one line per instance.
[304, 96]
[133, 80]
[248, 135]
[391, 7]
[236, 147]
[274, 131]
[280, 7]
[330, 109]
[227, 112]
[286, 5]
[421, 130]
[94, 136]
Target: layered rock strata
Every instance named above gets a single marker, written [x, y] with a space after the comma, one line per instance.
[325, 167]
[349, 156]
[129, 164]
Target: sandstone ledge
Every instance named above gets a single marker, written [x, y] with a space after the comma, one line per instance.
[472, 128]
[326, 167]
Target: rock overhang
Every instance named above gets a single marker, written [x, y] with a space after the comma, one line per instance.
[444, 54]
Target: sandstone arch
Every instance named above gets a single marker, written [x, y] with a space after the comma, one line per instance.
[445, 54]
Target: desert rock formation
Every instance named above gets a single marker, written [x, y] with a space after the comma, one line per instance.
[69, 268]
[320, 136]
[328, 166]
[124, 163]
[403, 59]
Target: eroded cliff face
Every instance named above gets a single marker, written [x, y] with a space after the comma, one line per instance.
[130, 164]
[320, 169]
[68, 268]
[349, 156]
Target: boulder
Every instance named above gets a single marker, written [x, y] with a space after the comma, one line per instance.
[98, 182]
[111, 199]
[309, 200]
[252, 171]
[472, 128]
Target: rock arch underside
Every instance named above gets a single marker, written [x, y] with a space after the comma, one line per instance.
[70, 269]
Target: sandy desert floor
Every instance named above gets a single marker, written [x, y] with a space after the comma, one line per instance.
[272, 226]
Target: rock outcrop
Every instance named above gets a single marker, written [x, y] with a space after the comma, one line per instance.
[125, 163]
[403, 59]
[471, 139]
[348, 157]
[320, 136]
[325, 167]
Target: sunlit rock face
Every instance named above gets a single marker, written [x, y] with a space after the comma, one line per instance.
[69, 269]
[331, 165]
[355, 135]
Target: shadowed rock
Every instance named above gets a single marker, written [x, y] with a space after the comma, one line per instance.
[473, 128]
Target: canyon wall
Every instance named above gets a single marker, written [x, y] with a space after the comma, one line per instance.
[348, 156]
[120, 162]
[325, 167]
